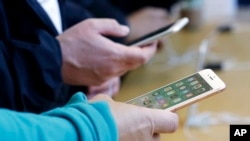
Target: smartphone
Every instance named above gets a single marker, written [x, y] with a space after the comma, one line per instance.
[183, 92]
[171, 28]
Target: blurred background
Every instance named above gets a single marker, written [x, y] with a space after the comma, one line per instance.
[211, 11]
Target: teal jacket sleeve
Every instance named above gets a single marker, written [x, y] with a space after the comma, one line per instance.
[76, 121]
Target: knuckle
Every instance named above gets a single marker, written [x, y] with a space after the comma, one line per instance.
[91, 23]
[113, 22]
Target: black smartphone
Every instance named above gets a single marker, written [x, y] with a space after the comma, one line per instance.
[171, 28]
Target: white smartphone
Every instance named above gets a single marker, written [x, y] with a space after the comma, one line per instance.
[171, 28]
[183, 92]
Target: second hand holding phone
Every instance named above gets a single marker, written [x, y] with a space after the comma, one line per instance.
[182, 92]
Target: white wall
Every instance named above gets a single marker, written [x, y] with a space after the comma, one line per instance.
[219, 10]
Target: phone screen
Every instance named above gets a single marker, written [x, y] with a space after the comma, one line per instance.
[174, 93]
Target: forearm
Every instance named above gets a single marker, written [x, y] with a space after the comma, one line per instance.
[78, 120]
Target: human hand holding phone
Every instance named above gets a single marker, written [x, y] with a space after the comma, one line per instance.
[139, 123]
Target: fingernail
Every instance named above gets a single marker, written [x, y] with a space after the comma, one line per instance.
[125, 29]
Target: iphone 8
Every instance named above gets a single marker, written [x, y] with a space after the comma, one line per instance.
[183, 92]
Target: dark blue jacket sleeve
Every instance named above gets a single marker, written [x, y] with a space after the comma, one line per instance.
[30, 74]
[30, 60]
[77, 121]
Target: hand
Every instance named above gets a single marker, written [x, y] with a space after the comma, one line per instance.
[110, 88]
[89, 58]
[139, 123]
[147, 20]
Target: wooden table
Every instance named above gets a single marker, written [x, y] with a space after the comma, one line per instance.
[178, 58]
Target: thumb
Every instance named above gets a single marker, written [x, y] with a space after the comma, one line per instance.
[110, 27]
[163, 121]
